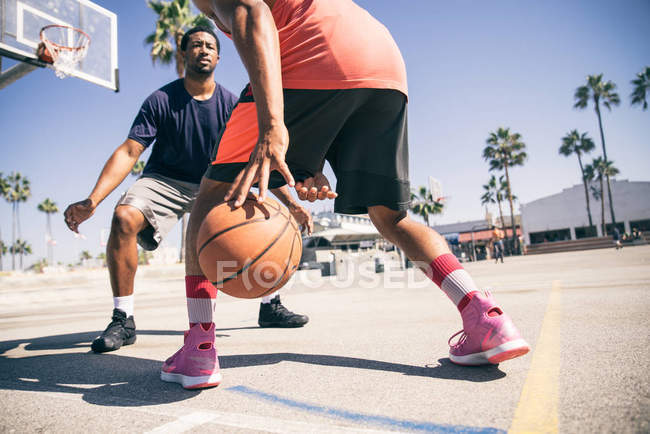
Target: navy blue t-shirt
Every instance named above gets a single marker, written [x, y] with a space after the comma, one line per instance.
[182, 129]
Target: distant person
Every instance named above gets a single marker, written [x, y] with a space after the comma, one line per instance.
[616, 235]
[327, 80]
[636, 235]
[181, 120]
[497, 238]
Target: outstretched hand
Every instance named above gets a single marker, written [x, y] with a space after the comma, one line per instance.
[267, 156]
[316, 187]
[77, 213]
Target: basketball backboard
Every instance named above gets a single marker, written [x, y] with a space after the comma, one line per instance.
[22, 20]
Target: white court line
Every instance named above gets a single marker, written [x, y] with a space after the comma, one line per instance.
[185, 423]
[188, 418]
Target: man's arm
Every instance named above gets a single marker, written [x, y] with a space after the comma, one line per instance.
[117, 168]
[255, 36]
[301, 214]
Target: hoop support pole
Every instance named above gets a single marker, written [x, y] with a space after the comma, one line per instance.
[15, 73]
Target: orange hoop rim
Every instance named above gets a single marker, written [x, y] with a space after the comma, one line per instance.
[45, 39]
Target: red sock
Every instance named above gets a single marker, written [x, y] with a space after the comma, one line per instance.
[451, 277]
[201, 297]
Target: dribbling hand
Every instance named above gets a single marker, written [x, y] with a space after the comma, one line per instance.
[316, 187]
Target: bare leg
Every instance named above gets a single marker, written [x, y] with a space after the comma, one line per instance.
[421, 244]
[122, 248]
[210, 194]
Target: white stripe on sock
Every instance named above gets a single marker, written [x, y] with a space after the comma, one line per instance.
[457, 284]
[200, 309]
[125, 304]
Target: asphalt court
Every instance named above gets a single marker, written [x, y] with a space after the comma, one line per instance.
[372, 359]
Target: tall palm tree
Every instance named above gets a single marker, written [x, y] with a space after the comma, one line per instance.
[641, 85]
[174, 18]
[423, 204]
[4, 188]
[503, 151]
[502, 194]
[49, 207]
[599, 91]
[576, 143]
[137, 168]
[20, 247]
[18, 191]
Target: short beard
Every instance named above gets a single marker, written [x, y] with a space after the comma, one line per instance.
[200, 71]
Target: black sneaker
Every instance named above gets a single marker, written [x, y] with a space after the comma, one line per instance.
[274, 314]
[121, 331]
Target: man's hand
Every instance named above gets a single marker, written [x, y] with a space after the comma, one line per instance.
[267, 156]
[77, 213]
[316, 187]
[303, 217]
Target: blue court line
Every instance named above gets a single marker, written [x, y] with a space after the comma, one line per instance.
[363, 418]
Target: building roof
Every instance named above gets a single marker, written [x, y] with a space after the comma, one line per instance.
[460, 227]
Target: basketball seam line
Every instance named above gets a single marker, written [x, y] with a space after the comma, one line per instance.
[245, 267]
[284, 272]
[234, 227]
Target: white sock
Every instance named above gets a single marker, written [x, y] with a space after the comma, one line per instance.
[267, 298]
[125, 304]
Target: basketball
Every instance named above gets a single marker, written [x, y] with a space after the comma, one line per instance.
[250, 251]
[44, 54]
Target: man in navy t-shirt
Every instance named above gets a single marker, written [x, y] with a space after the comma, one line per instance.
[181, 121]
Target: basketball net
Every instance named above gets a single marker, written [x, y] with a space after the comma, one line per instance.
[66, 45]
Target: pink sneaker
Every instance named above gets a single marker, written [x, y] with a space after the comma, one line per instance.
[195, 365]
[488, 334]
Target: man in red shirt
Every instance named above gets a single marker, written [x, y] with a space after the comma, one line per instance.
[327, 82]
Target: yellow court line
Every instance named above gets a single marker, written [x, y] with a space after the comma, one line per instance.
[538, 405]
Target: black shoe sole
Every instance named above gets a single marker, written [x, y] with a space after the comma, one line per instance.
[264, 324]
[104, 349]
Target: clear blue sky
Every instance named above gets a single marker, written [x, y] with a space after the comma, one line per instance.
[472, 67]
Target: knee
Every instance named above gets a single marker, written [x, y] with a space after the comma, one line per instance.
[127, 221]
[386, 220]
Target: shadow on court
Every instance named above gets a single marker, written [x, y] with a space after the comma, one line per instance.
[111, 379]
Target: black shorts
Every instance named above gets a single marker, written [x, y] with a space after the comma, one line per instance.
[361, 132]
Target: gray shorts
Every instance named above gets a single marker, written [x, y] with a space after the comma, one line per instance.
[163, 201]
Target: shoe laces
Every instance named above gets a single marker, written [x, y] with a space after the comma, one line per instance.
[117, 322]
[281, 310]
[461, 340]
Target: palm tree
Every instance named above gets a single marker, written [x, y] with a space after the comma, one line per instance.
[599, 169]
[84, 255]
[18, 191]
[137, 168]
[174, 18]
[4, 188]
[493, 194]
[423, 204]
[641, 85]
[20, 247]
[3, 251]
[576, 143]
[599, 91]
[49, 207]
[505, 150]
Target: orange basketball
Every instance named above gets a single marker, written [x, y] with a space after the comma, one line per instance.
[250, 251]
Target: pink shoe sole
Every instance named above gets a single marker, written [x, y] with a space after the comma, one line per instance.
[192, 382]
[506, 351]
[507, 355]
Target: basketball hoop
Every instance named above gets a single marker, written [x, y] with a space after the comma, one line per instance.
[63, 47]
